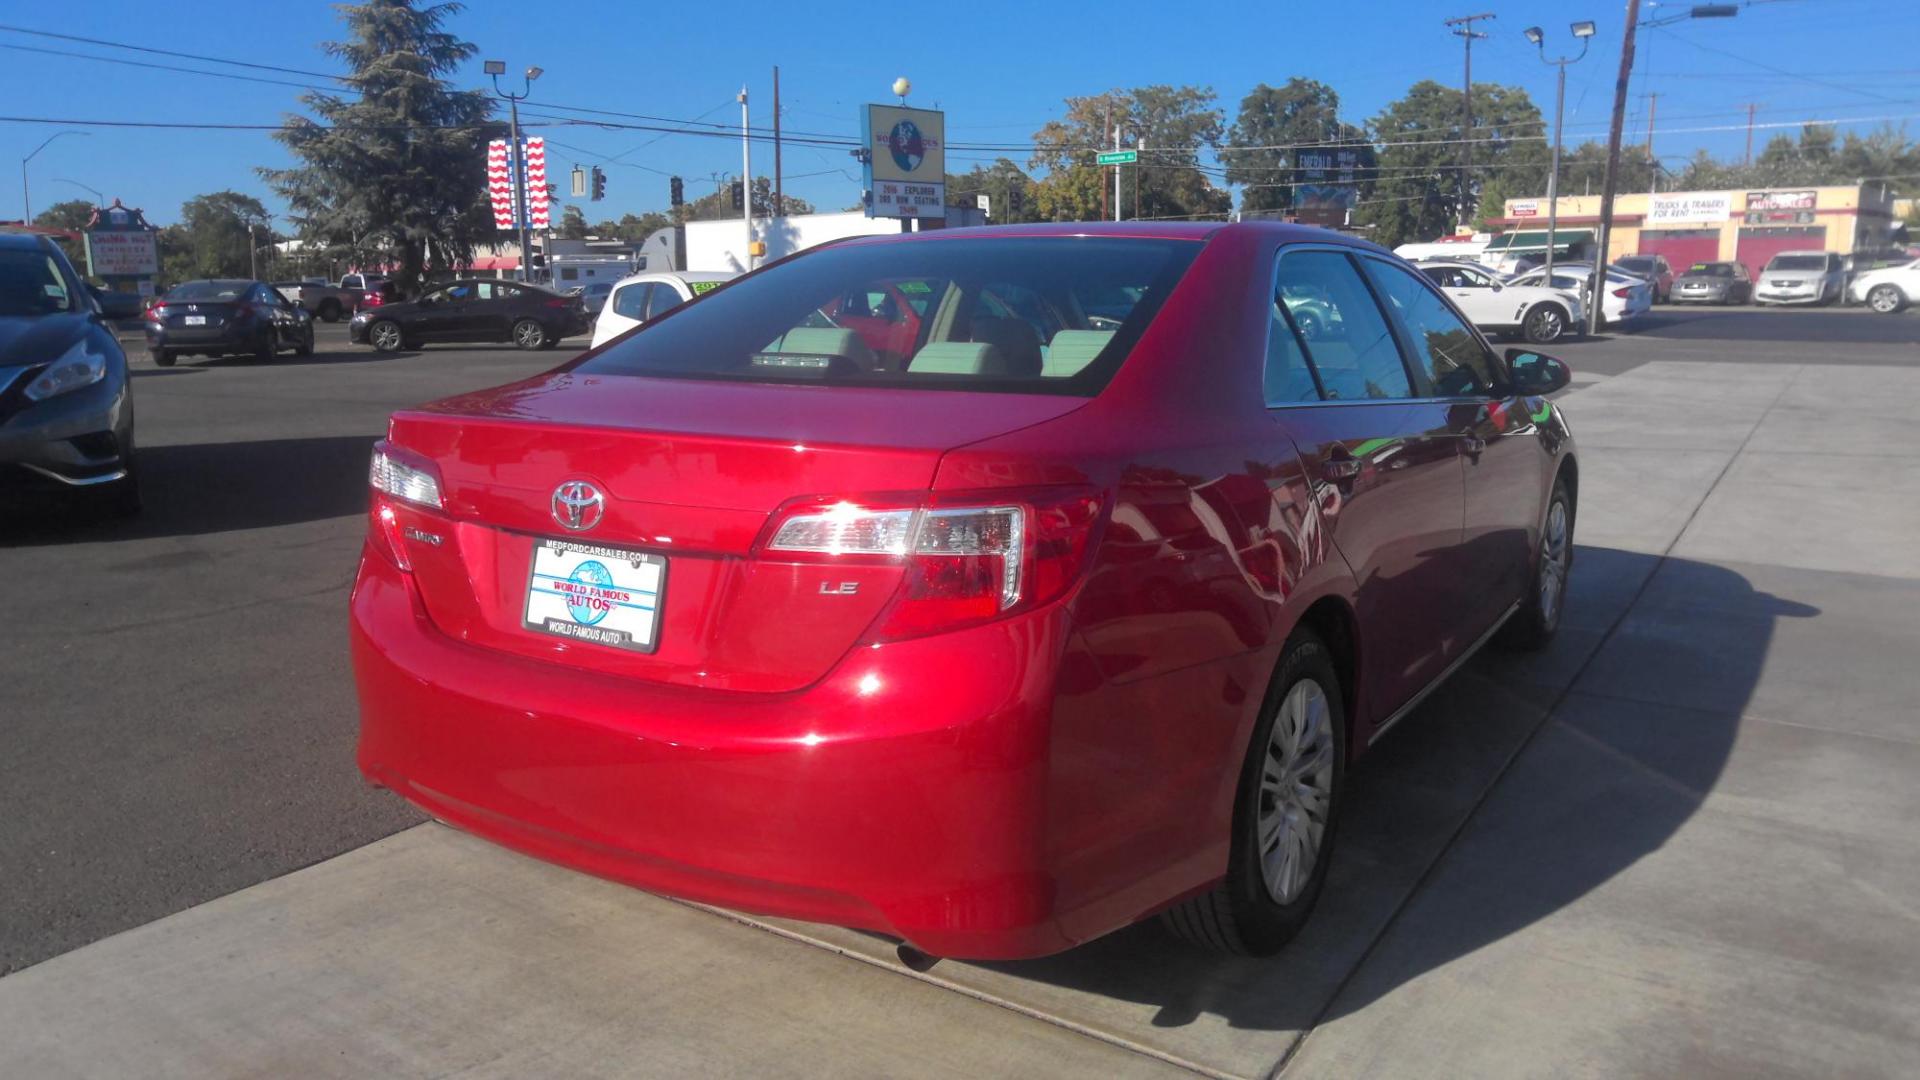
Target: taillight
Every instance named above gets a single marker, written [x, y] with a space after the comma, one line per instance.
[397, 476]
[561, 301]
[157, 311]
[968, 558]
[1623, 291]
[372, 299]
[242, 311]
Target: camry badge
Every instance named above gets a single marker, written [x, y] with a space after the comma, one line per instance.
[578, 505]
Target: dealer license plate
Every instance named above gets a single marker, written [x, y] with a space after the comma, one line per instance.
[195, 320]
[591, 593]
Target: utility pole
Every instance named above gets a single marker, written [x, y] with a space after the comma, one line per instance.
[746, 180]
[779, 200]
[1117, 170]
[253, 254]
[1140, 147]
[1103, 187]
[1609, 185]
[1653, 163]
[1751, 106]
[1463, 29]
[521, 207]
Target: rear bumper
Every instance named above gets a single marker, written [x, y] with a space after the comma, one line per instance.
[214, 342]
[903, 793]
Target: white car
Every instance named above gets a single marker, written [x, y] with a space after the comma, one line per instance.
[1625, 297]
[648, 296]
[1800, 277]
[1540, 315]
[1888, 289]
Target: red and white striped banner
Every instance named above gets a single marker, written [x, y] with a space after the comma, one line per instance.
[536, 151]
[500, 183]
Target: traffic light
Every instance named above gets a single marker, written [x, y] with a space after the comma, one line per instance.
[678, 191]
[739, 196]
[599, 183]
[1013, 200]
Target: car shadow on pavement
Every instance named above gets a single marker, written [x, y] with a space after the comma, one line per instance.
[1595, 797]
[204, 488]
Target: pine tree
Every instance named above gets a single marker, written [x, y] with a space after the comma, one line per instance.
[393, 172]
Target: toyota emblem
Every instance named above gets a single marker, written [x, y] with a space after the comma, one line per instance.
[578, 505]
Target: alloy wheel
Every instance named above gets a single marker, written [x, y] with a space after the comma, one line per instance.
[1884, 299]
[1554, 549]
[386, 336]
[1296, 791]
[529, 335]
[1545, 325]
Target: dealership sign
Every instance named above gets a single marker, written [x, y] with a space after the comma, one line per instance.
[1781, 200]
[904, 161]
[1523, 208]
[1689, 208]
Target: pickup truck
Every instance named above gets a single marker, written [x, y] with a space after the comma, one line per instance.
[334, 302]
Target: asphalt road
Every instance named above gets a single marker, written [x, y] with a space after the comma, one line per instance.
[175, 699]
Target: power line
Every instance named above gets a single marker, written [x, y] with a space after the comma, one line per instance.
[236, 76]
[169, 52]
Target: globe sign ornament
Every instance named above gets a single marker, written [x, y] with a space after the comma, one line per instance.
[906, 146]
[595, 575]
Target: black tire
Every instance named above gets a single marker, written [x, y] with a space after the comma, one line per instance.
[306, 344]
[263, 353]
[162, 357]
[1241, 914]
[386, 336]
[1538, 619]
[329, 310]
[529, 334]
[1886, 299]
[1545, 324]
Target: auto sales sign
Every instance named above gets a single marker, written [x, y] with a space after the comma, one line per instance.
[904, 161]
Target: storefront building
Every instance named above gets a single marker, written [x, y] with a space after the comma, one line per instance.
[1725, 226]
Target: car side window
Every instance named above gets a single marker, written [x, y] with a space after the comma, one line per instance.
[1289, 377]
[1346, 336]
[631, 302]
[664, 299]
[1456, 363]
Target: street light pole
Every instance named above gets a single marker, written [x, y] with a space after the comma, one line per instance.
[522, 208]
[26, 200]
[1599, 279]
[1584, 31]
[96, 192]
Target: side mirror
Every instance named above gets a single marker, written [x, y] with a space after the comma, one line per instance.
[117, 305]
[1535, 373]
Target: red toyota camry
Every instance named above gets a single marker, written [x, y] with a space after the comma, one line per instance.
[1065, 606]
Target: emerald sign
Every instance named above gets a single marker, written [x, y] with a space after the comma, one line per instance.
[1119, 157]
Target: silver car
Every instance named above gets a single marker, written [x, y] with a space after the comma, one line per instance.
[1801, 277]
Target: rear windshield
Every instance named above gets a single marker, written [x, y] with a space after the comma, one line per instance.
[1711, 270]
[1798, 262]
[1015, 315]
[209, 290]
[1638, 266]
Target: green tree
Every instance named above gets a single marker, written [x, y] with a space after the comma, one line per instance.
[1004, 182]
[719, 205]
[394, 172]
[211, 239]
[1273, 125]
[1175, 122]
[71, 215]
[632, 227]
[1419, 193]
[573, 223]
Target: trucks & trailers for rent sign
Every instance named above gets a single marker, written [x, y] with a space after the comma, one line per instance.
[905, 163]
[1685, 208]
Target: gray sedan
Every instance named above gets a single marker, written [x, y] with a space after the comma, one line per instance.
[1713, 283]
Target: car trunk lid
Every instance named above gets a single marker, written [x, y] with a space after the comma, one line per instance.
[690, 471]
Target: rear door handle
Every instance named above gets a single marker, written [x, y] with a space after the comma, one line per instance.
[1474, 444]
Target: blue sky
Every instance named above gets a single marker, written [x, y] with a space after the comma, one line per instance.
[999, 71]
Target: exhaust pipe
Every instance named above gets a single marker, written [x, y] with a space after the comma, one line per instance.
[914, 959]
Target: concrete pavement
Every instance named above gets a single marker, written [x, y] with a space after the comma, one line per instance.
[1678, 842]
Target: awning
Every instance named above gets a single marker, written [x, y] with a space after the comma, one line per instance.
[1531, 240]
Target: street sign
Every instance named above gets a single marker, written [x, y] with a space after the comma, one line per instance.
[1118, 157]
[984, 202]
[579, 181]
